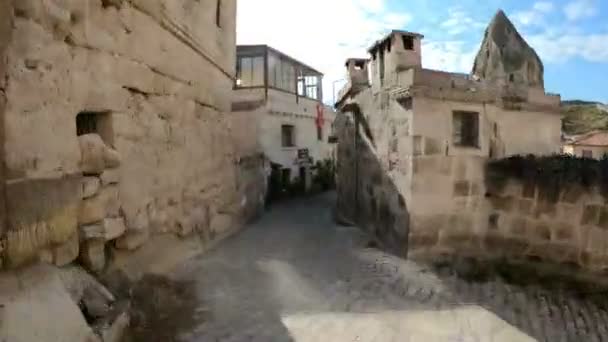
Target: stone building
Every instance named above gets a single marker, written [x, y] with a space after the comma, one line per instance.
[590, 145]
[115, 126]
[413, 142]
[278, 110]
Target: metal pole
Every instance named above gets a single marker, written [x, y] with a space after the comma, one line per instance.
[333, 88]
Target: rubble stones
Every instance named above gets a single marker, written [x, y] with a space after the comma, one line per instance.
[90, 186]
[93, 255]
[110, 176]
[92, 210]
[92, 150]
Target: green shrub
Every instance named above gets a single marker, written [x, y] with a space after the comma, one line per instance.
[551, 173]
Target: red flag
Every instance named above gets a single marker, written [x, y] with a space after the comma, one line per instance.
[320, 119]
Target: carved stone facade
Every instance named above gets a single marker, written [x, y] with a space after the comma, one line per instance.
[425, 136]
[116, 126]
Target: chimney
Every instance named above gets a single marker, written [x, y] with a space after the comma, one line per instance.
[357, 71]
[400, 50]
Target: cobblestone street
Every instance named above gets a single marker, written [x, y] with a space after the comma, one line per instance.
[296, 276]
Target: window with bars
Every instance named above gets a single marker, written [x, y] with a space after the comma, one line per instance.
[466, 129]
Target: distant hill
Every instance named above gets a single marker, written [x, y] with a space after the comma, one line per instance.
[580, 117]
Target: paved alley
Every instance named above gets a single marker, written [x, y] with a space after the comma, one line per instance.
[296, 276]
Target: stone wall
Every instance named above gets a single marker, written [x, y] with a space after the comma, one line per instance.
[157, 78]
[367, 196]
[497, 217]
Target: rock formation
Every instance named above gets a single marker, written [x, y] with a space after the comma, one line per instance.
[505, 56]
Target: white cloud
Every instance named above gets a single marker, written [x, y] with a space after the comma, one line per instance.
[580, 9]
[534, 16]
[453, 56]
[559, 48]
[323, 39]
[543, 6]
[459, 22]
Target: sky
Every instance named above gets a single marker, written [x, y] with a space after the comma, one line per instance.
[570, 36]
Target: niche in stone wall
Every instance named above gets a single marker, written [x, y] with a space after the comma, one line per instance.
[88, 122]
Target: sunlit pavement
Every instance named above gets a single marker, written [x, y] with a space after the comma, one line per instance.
[296, 276]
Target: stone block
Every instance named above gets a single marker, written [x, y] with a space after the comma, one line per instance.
[545, 210]
[111, 200]
[110, 176]
[40, 213]
[93, 255]
[519, 226]
[221, 223]
[501, 203]
[433, 146]
[591, 215]
[132, 240]
[597, 241]
[445, 166]
[541, 232]
[426, 165]
[92, 149]
[496, 244]
[476, 189]
[529, 190]
[114, 228]
[92, 210]
[65, 253]
[604, 218]
[107, 230]
[563, 232]
[525, 206]
[460, 168]
[90, 186]
[111, 158]
[462, 188]
[417, 145]
[569, 213]
[572, 193]
[493, 221]
[92, 231]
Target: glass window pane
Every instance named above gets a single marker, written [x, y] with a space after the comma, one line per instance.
[273, 63]
[246, 71]
[258, 71]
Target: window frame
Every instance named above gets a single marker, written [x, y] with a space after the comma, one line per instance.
[291, 143]
[466, 137]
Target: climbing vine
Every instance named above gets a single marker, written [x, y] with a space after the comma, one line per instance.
[551, 173]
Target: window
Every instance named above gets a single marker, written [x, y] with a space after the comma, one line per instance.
[218, 13]
[408, 42]
[250, 71]
[95, 123]
[309, 86]
[319, 132]
[281, 73]
[587, 154]
[287, 136]
[466, 129]
[406, 102]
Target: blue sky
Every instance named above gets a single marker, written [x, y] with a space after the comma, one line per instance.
[571, 36]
